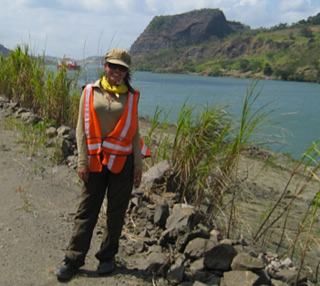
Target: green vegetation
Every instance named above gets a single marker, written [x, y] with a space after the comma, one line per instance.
[34, 139]
[205, 148]
[53, 96]
[25, 79]
[281, 52]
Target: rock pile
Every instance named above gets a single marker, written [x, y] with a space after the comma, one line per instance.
[174, 241]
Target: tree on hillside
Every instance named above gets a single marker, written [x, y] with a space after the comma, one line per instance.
[306, 32]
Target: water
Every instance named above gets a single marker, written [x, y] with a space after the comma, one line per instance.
[296, 104]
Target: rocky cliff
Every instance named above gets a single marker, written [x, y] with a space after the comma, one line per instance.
[4, 50]
[182, 30]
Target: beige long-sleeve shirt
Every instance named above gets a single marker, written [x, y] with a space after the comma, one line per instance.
[108, 113]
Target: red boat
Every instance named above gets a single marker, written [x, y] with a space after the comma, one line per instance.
[70, 64]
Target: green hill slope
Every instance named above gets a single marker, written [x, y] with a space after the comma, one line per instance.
[282, 52]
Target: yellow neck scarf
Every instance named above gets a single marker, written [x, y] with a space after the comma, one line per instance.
[116, 89]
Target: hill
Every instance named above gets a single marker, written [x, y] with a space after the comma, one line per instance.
[4, 50]
[182, 30]
[205, 42]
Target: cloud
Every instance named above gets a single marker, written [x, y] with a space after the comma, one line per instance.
[292, 11]
[89, 27]
[293, 5]
[247, 3]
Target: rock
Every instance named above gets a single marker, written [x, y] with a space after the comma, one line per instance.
[216, 234]
[188, 283]
[197, 265]
[28, 117]
[72, 162]
[220, 257]
[214, 281]
[136, 201]
[244, 261]
[180, 30]
[156, 263]
[63, 131]
[11, 107]
[71, 136]
[197, 247]
[182, 216]
[237, 278]
[139, 246]
[198, 283]
[66, 147]
[154, 173]
[289, 276]
[278, 283]
[176, 271]
[3, 100]
[169, 236]
[287, 263]
[264, 277]
[155, 248]
[161, 213]
[51, 132]
[183, 240]
[21, 111]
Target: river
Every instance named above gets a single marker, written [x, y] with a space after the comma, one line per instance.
[295, 105]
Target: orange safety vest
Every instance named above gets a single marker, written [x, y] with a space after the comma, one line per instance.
[118, 144]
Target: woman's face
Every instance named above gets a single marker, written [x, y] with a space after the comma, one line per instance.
[115, 73]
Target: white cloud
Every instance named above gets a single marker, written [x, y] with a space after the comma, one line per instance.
[247, 2]
[293, 5]
[78, 27]
[292, 11]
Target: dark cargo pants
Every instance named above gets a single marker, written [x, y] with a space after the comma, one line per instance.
[119, 187]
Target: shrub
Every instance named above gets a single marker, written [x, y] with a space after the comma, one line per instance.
[25, 80]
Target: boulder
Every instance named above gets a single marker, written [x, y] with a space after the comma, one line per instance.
[182, 216]
[161, 213]
[156, 172]
[220, 257]
[237, 278]
[156, 263]
[176, 272]
[197, 247]
[244, 261]
[183, 240]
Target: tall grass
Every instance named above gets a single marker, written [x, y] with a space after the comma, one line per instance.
[206, 147]
[205, 152]
[25, 79]
[297, 242]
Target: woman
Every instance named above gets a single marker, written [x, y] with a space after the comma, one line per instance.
[109, 150]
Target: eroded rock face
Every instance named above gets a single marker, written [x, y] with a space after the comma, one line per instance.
[180, 30]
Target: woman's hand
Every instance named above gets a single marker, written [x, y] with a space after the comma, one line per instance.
[137, 174]
[83, 173]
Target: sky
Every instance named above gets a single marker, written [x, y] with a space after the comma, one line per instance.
[82, 28]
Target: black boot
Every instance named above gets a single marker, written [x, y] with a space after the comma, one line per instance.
[106, 266]
[67, 270]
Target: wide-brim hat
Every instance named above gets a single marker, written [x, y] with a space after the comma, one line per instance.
[119, 57]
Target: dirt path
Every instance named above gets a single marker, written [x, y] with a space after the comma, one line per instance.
[37, 205]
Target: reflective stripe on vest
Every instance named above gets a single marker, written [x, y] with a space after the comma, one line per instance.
[144, 149]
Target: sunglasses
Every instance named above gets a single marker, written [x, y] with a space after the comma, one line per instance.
[115, 66]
